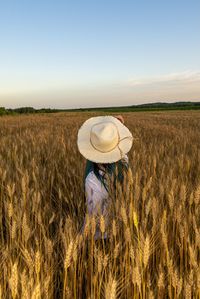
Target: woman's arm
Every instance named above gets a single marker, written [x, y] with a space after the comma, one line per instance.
[120, 117]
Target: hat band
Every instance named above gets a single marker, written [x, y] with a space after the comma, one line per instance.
[117, 145]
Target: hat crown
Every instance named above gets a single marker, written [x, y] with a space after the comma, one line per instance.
[104, 139]
[104, 136]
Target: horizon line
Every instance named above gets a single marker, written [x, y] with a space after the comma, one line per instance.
[103, 107]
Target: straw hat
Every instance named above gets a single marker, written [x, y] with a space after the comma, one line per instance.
[104, 139]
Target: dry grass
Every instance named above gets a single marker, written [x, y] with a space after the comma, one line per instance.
[154, 247]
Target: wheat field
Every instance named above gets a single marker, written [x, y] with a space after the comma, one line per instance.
[154, 245]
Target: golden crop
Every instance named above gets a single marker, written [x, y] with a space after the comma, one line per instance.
[154, 245]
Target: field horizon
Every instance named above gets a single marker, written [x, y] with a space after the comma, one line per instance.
[155, 106]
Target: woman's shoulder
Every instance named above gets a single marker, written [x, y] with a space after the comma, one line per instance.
[90, 176]
[91, 179]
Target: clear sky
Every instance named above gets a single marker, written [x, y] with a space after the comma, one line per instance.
[69, 54]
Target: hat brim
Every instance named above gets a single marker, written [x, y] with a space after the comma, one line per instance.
[90, 153]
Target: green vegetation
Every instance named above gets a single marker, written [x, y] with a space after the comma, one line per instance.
[26, 110]
[3, 111]
[159, 106]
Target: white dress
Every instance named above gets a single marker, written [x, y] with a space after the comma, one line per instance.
[96, 196]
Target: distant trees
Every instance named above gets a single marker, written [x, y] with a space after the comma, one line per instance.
[142, 107]
[27, 110]
[23, 110]
[3, 111]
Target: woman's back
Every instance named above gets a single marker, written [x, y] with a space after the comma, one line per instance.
[96, 184]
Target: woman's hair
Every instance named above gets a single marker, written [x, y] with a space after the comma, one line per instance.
[115, 169]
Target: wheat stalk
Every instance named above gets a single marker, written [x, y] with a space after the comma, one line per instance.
[68, 255]
[13, 281]
[146, 251]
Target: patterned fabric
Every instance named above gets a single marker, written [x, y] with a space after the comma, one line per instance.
[96, 189]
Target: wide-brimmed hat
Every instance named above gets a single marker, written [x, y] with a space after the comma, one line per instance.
[104, 139]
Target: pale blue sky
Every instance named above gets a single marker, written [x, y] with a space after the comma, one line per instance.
[67, 54]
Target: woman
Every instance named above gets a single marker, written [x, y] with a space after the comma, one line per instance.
[104, 141]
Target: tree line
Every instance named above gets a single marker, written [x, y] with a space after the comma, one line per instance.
[141, 107]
